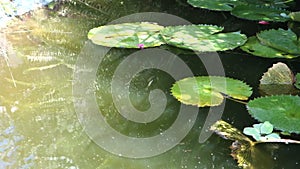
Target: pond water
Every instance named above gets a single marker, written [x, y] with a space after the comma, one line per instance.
[38, 122]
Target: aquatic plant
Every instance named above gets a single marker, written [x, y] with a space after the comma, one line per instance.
[127, 35]
[202, 38]
[261, 131]
[279, 79]
[280, 110]
[246, 9]
[204, 91]
[243, 149]
[273, 43]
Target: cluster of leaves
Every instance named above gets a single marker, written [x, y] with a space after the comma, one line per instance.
[273, 44]
[246, 9]
[243, 149]
[261, 131]
[202, 38]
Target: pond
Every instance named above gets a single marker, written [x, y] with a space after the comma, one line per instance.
[39, 121]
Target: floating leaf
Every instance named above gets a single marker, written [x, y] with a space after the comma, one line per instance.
[295, 16]
[254, 47]
[279, 73]
[127, 35]
[207, 90]
[278, 79]
[217, 5]
[272, 136]
[284, 40]
[297, 83]
[203, 38]
[254, 132]
[266, 128]
[255, 12]
[281, 111]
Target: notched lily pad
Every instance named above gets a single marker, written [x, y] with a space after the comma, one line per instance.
[202, 38]
[282, 111]
[255, 47]
[279, 73]
[255, 12]
[279, 79]
[209, 90]
[127, 35]
[284, 40]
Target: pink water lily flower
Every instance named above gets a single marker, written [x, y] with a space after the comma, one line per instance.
[263, 22]
[141, 46]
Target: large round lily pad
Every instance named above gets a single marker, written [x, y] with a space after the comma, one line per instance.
[204, 91]
[282, 111]
[255, 47]
[202, 38]
[127, 35]
[254, 12]
[284, 40]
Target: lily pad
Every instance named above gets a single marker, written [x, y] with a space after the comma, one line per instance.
[282, 111]
[279, 79]
[279, 73]
[127, 35]
[297, 83]
[257, 13]
[295, 16]
[204, 91]
[284, 40]
[254, 47]
[217, 5]
[203, 38]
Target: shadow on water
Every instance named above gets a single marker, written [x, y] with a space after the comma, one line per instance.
[38, 124]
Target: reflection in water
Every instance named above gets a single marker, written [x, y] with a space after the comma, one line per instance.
[38, 125]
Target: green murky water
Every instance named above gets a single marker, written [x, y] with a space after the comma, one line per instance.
[38, 123]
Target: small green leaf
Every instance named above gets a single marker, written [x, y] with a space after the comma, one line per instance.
[208, 90]
[202, 38]
[272, 136]
[127, 35]
[254, 12]
[283, 112]
[254, 47]
[250, 131]
[284, 40]
[266, 128]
